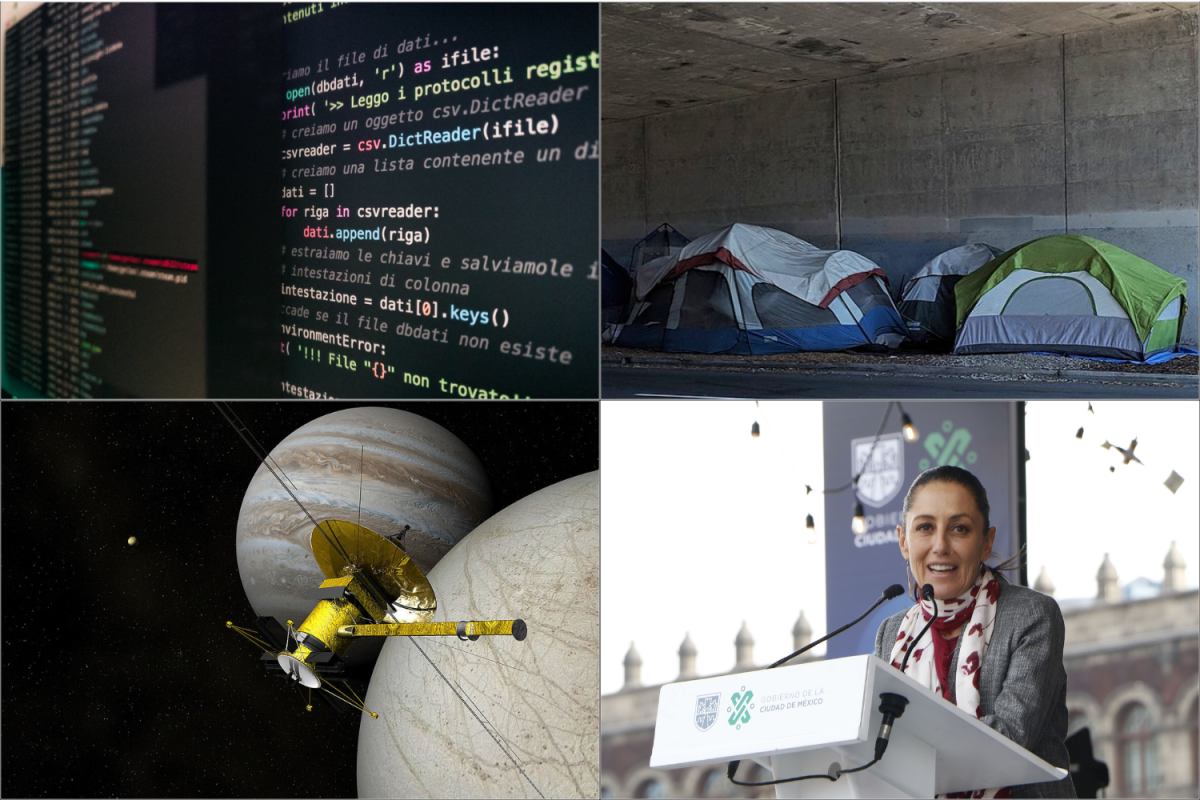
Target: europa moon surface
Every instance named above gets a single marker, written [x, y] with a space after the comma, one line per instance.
[537, 560]
[413, 472]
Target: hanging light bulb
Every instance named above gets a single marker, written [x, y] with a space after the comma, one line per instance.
[754, 430]
[910, 430]
[859, 523]
[1079, 433]
[809, 523]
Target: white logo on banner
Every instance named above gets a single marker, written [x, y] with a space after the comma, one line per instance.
[880, 479]
[707, 707]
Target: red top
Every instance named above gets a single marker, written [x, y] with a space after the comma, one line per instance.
[944, 653]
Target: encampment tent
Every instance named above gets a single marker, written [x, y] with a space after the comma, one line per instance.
[927, 302]
[1073, 295]
[750, 289]
[662, 241]
[616, 287]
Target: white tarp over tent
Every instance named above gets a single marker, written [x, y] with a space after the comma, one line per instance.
[792, 264]
[750, 289]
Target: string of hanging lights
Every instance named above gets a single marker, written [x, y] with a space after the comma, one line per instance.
[858, 523]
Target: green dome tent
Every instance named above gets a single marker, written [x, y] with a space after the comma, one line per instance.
[1073, 295]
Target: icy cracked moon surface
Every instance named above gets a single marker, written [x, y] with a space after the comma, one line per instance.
[537, 560]
[414, 472]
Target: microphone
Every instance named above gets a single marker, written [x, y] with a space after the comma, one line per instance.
[893, 591]
[835, 772]
[927, 593]
[892, 705]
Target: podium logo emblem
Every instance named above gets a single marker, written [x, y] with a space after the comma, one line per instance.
[739, 711]
[707, 708]
[879, 466]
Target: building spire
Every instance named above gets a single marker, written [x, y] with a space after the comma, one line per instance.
[633, 668]
[687, 658]
[745, 649]
[801, 632]
[1043, 583]
[1107, 590]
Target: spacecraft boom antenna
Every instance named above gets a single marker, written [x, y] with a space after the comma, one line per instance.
[336, 545]
[256, 448]
[331, 690]
[245, 634]
[477, 719]
[485, 716]
[476, 655]
[357, 543]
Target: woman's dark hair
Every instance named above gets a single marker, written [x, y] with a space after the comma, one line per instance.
[965, 479]
[957, 475]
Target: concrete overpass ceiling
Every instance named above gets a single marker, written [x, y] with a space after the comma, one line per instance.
[660, 57]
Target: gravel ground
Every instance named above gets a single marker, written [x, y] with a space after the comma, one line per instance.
[1002, 363]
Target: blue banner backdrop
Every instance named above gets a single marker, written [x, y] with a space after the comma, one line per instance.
[980, 437]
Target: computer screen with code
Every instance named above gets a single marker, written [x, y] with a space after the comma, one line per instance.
[319, 200]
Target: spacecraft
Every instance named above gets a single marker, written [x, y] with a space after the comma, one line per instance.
[372, 588]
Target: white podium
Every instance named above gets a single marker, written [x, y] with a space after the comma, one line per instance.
[799, 720]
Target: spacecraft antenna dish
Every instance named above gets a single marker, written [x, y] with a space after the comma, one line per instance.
[404, 586]
[298, 671]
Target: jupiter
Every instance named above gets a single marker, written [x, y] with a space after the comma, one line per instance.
[407, 471]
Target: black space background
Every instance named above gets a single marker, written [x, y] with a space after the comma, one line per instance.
[119, 675]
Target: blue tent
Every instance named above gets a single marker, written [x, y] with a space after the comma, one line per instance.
[750, 289]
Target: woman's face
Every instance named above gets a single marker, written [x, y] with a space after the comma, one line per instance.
[943, 538]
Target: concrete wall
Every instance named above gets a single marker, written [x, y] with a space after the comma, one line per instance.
[741, 161]
[967, 149]
[1092, 133]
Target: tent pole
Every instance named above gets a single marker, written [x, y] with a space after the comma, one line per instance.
[856, 322]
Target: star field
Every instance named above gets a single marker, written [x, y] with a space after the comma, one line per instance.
[119, 675]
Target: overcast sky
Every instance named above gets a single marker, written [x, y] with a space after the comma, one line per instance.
[703, 526]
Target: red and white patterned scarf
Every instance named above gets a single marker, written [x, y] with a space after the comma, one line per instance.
[975, 611]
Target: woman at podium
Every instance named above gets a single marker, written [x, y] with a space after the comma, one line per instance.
[995, 650]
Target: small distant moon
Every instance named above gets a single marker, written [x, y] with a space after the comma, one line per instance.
[133, 540]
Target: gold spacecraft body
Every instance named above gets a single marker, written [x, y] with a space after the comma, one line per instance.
[372, 588]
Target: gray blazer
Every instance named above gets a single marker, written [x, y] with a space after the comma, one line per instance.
[1022, 682]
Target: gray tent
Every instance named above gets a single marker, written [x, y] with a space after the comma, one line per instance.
[927, 301]
[662, 241]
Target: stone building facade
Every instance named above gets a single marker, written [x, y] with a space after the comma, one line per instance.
[1131, 659]
[1132, 679]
